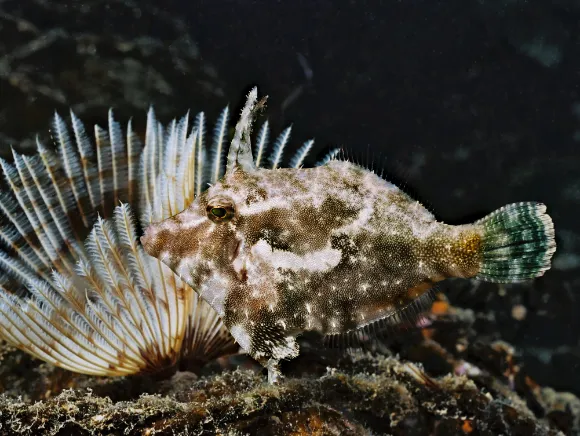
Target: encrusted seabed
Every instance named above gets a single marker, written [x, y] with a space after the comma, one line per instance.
[361, 394]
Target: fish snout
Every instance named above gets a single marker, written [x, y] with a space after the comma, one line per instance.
[150, 241]
[172, 241]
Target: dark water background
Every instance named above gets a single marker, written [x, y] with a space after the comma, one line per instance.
[471, 104]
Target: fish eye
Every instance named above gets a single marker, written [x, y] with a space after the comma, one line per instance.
[220, 209]
[219, 212]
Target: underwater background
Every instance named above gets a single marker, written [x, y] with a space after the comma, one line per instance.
[466, 104]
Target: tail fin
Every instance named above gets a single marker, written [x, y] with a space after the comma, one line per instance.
[518, 243]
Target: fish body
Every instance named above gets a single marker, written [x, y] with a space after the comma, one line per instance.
[334, 248]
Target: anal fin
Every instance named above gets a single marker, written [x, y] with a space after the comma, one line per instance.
[404, 317]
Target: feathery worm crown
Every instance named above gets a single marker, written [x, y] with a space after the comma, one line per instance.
[101, 305]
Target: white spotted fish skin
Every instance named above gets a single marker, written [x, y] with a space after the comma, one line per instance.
[331, 249]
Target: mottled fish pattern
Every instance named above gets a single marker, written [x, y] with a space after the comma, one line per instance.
[277, 252]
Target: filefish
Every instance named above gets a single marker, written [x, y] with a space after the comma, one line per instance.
[332, 249]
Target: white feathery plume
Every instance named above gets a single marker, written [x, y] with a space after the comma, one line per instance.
[331, 155]
[279, 146]
[218, 149]
[119, 161]
[134, 148]
[200, 155]
[298, 160]
[261, 142]
[87, 155]
[76, 288]
[70, 159]
[104, 166]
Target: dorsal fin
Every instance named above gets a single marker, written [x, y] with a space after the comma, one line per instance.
[377, 165]
[240, 153]
[364, 159]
